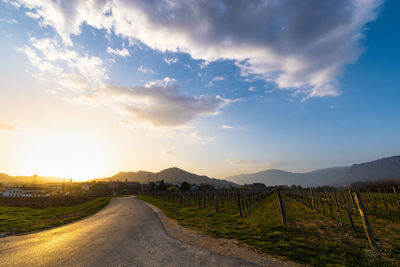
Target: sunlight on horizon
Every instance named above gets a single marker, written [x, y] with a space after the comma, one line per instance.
[67, 154]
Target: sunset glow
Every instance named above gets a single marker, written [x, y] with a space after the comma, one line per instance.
[89, 89]
[72, 155]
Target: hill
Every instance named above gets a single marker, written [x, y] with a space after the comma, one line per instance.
[5, 178]
[386, 168]
[170, 175]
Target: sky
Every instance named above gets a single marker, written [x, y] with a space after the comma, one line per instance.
[216, 87]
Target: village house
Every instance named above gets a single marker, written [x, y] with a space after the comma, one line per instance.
[25, 192]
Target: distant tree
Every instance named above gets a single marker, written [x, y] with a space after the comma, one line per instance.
[258, 186]
[162, 186]
[206, 187]
[1, 187]
[101, 189]
[185, 186]
[152, 186]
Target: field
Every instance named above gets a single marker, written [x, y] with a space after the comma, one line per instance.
[308, 236]
[53, 212]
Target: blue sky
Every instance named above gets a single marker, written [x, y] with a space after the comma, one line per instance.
[212, 92]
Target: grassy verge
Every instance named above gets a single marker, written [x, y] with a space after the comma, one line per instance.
[308, 237]
[25, 219]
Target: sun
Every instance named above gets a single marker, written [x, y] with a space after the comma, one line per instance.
[80, 156]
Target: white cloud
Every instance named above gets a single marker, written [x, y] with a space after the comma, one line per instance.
[119, 52]
[169, 61]
[296, 44]
[12, 21]
[196, 137]
[225, 127]
[218, 78]
[83, 79]
[80, 74]
[215, 79]
[252, 88]
[167, 152]
[32, 15]
[204, 64]
[6, 127]
[145, 70]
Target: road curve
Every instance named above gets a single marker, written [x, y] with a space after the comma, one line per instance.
[125, 233]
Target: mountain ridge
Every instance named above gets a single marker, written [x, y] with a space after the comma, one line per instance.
[169, 175]
[384, 168]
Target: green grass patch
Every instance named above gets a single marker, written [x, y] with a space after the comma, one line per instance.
[308, 237]
[25, 219]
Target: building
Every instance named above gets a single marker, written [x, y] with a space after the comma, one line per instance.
[86, 187]
[25, 192]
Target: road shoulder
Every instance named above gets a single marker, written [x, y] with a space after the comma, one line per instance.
[222, 246]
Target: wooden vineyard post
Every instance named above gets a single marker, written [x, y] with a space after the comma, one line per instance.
[367, 226]
[373, 201]
[337, 207]
[397, 199]
[348, 208]
[312, 198]
[323, 207]
[316, 201]
[384, 202]
[216, 201]
[351, 198]
[281, 207]
[329, 202]
[238, 201]
[188, 199]
[199, 199]
[351, 220]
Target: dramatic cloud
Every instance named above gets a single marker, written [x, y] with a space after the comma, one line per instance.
[84, 79]
[6, 127]
[160, 104]
[119, 52]
[300, 45]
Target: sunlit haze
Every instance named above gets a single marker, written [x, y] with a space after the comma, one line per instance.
[91, 88]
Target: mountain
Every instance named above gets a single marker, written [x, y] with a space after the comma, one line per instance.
[5, 178]
[386, 168]
[171, 175]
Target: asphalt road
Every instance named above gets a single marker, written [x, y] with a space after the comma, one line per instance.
[125, 233]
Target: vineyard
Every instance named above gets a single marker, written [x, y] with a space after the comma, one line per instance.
[323, 225]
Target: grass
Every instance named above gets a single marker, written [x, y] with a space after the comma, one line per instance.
[308, 237]
[25, 219]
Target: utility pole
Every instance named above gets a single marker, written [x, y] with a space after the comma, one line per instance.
[34, 179]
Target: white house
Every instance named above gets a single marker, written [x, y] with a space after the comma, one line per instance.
[14, 192]
[24, 192]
